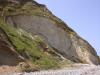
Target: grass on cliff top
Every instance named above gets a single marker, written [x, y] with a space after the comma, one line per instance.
[30, 8]
[31, 48]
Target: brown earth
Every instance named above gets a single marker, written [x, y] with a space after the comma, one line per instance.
[9, 58]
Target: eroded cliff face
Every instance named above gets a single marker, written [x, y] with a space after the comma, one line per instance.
[55, 36]
[8, 55]
[37, 20]
[85, 51]
[70, 46]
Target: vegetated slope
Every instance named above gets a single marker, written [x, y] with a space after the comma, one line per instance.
[30, 48]
[40, 37]
[8, 56]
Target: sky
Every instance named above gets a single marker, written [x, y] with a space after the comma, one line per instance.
[81, 15]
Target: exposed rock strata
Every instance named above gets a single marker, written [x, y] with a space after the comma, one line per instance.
[36, 19]
[8, 55]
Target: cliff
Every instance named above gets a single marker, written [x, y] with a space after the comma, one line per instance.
[33, 33]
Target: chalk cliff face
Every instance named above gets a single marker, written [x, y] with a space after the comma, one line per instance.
[37, 20]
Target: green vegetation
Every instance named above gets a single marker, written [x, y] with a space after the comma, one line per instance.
[30, 8]
[32, 48]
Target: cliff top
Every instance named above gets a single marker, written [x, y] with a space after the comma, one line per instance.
[30, 7]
